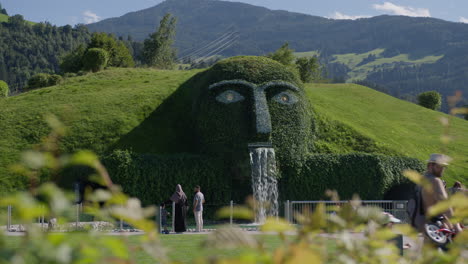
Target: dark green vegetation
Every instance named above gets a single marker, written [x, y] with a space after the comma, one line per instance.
[414, 54]
[95, 59]
[103, 50]
[27, 49]
[157, 49]
[135, 109]
[431, 100]
[43, 80]
[372, 175]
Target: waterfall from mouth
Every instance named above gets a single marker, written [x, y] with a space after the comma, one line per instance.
[264, 182]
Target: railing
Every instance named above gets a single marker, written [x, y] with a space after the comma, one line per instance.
[396, 208]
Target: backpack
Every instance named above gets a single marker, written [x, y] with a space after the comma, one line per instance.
[415, 209]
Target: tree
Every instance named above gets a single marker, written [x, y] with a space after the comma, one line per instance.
[3, 10]
[118, 53]
[431, 100]
[283, 55]
[309, 69]
[95, 59]
[158, 50]
[73, 61]
[4, 90]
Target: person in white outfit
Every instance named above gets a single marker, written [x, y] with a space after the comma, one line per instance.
[198, 201]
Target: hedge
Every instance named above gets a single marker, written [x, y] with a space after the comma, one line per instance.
[153, 178]
[368, 175]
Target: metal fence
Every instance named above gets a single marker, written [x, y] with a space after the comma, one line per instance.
[164, 218]
[292, 208]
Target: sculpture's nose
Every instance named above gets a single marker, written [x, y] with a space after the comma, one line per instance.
[262, 113]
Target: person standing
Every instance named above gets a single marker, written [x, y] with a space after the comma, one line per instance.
[430, 196]
[198, 201]
[180, 200]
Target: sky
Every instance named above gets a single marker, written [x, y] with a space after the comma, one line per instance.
[62, 12]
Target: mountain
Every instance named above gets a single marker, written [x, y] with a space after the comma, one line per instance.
[238, 28]
[143, 110]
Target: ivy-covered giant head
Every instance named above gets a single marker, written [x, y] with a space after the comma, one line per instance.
[245, 100]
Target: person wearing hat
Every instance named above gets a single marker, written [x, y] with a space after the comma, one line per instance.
[430, 196]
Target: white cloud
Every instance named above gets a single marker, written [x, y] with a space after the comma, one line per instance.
[402, 10]
[338, 15]
[90, 17]
[464, 20]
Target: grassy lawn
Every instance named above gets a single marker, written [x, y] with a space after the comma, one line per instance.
[182, 248]
[404, 127]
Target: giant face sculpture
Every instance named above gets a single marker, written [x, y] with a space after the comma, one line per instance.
[245, 100]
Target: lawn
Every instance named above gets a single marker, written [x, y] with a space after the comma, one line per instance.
[184, 248]
[405, 128]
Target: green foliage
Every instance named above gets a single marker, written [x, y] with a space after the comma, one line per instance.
[39, 80]
[26, 49]
[227, 129]
[73, 61]
[157, 50]
[283, 55]
[309, 69]
[54, 79]
[4, 90]
[152, 178]
[431, 100]
[95, 59]
[44, 80]
[119, 55]
[368, 175]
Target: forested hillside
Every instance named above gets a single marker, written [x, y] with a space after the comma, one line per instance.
[416, 53]
[27, 48]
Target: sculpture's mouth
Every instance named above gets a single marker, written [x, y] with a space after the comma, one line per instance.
[260, 145]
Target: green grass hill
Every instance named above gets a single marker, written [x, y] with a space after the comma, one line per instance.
[3, 18]
[142, 110]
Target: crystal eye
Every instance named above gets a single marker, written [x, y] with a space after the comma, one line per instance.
[285, 98]
[229, 96]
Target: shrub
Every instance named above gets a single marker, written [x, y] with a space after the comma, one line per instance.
[73, 61]
[431, 100]
[95, 59]
[39, 80]
[54, 79]
[4, 90]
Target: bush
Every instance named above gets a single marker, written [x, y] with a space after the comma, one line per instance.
[95, 59]
[4, 90]
[39, 80]
[73, 61]
[431, 100]
[54, 79]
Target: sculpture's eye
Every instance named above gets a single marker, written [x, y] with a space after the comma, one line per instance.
[286, 98]
[229, 96]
